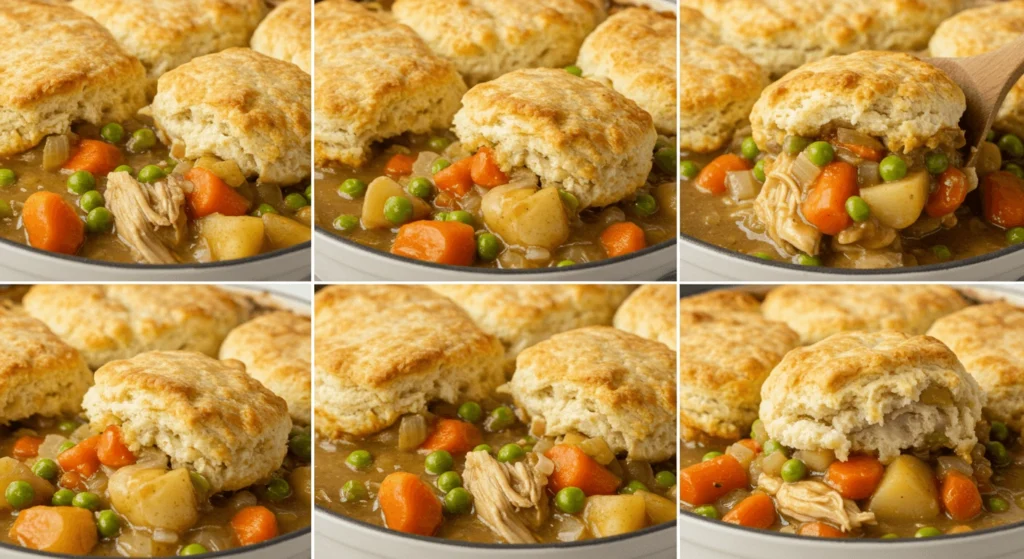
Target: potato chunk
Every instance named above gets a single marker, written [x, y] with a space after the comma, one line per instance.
[12, 470]
[378, 193]
[69, 530]
[283, 232]
[611, 515]
[907, 492]
[526, 216]
[898, 204]
[154, 497]
[232, 237]
[659, 509]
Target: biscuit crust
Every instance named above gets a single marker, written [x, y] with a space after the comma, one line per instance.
[275, 351]
[206, 415]
[375, 79]
[544, 119]
[387, 350]
[650, 312]
[58, 67]
[721, 301]
[285, 33]
[602, 382]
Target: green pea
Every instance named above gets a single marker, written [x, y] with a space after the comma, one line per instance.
[308, 193]
[99, 220]
[67, 426]
[891, 536]
[142, 139]
[942, 252]
[462, 216]
[645, 205]
[345, 222]
[666, 160]
[632, 487]
[936, 162]
[996, 504]
[501, 418]
[5, 209]
[759, 171]
[808, 260]
[793, 470]
[488, 246]
[927, 532]
[124, 169]
[301, 445]
[570, 500]
[199, 482]
[91, 200]
[359, 459]
[438, 143]
[998, 431]
[295, 201]
[352, 189]
[81, 182]
[397, 210]
[151, 173]
[420, 187]
[86, 500]
[471, 412]
[66, 445]
[1014, 170]
[569, 199]
[762, 255]
[663, 142]
[19, 494]
[7, 178]
[892, 168]
[711, 456]
[440, 164]
[62, 498]
[353, 491]
[484, 447]
[771, 446]
[1015, 236]
[448, 481]
[438, 462]
[793, 145]
[441, 216]
[112, 132]
[749, 149]
[756, 426]
[1012, 146]
[45, 468]
[192, 549]
[278, 490]
[991, 136]
[510, 453]
[997, 453]
[264, 209]
[858, 209]
[707, 511]
[458, 501]
[565, 263]
[688, 169]
[665, 479]
[820, 153]
[108, 523]
[574, 70]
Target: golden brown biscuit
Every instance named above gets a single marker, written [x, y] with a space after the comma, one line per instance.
[721, 301]
[285, 33]
[388, 350]
[650, 312]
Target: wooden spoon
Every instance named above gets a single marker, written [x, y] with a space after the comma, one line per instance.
[985, 80]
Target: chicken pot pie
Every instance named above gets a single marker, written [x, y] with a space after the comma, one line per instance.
[580, 443]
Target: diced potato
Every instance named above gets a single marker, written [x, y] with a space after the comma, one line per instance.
[573, 437]
[772, 464]
[898, 204]
[741, 453]
[11, 470]
[68, 530]
[816, 460]
[525, 216]
[300, 481]
[598, 449]
[907, 492]
[611, 515]
[232, 237]
[305, 215]
[659, 509]
[154, 497]
[283, 232]
[378, 193]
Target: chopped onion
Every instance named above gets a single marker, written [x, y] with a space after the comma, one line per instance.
[56, 151]
[947, 464]
[868, 175]
[543, 445]
[571, 529]
[848, 156]
[850, 136]
[772, 464]
[741, 453]
[972, 178]
[641, 471]
[538, 254]
[421, 167]
[182, 167]
[412, 431]
[544, 464]
[741, 185]
[759, 433]
[803, 171]
[164, 536]
[49, 446]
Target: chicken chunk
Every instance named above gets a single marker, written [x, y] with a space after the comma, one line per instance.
[509, 498]
[144, 212]
[810, 500]
[777, 206]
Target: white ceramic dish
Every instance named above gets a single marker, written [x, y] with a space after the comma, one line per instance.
[702, 538]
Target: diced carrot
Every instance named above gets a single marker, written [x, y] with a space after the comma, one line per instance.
[52, 224]
[703, 483]
[751, 444]
[443, 242]
[1002, 197]
[400, 165]
[864, 152]
[409, 504]
[712, 177]
[254, 524]
[574, 468]
[960, 497]
[857, 478]
[99, 158]
[72, 480]
[111, 449]
[820, 530]
[82, 457]
[457, 437]
[622, 238]
[825, 205]
[949, 194]
[211, 195]
[485, 170]
[456, 178]
[63, 530]
[756, 511]
[27, 447]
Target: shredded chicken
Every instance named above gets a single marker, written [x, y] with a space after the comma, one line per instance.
[778, 208]
[868, 234]
[140, 210]
[810, 500]
[509, 498]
